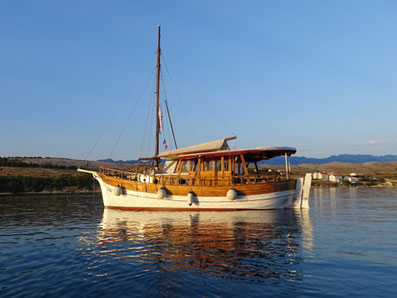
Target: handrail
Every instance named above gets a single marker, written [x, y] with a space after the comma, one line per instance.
[169, 179]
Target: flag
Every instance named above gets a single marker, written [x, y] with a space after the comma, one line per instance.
[165, 145]
[160, 115]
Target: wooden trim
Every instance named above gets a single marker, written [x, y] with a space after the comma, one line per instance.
[223, 166]
[204, 189]
[231, 165]
[179, 209]
[215, 172]
[260, 154]
[179, 166]
[238, 165]
[189, 152]
[231, 138]
[244, 165]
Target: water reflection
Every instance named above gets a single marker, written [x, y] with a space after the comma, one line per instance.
[68, 246]
[244, 244]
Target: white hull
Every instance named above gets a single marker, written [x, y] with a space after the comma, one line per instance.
[135, 200]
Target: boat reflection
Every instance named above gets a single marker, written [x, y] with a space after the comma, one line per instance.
[243, 244]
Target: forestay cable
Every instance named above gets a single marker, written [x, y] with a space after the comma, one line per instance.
[132, 112]
[147, 118]
[119, 107]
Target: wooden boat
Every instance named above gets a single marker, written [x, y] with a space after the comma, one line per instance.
[207, 176]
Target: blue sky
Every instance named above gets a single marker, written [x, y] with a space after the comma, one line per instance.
[316, 75]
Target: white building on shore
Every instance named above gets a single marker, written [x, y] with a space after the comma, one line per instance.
[335, 178]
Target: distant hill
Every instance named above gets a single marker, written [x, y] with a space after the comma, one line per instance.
[346, 158]
[132, 161]
[120, 161]
[383, 166]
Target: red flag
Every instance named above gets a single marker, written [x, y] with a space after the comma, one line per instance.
[165, 145]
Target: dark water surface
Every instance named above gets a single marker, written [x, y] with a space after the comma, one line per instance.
[68, 246]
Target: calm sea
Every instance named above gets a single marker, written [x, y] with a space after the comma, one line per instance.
[69, 246]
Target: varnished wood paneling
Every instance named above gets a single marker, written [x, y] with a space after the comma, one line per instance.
[203, 190]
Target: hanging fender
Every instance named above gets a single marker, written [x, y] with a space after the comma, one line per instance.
[117, 190]
[231, 194]
[190, 198]
[161, 193]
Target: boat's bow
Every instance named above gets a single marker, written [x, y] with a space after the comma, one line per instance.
[87, 171]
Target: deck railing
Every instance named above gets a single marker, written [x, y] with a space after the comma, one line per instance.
[185, 179]
[118, 173]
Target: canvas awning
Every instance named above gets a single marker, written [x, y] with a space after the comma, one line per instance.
[200, 148]
[251, 155]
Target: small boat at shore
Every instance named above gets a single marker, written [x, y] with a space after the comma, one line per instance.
[208, 176]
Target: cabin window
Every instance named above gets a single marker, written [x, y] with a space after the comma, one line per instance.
[226, 164]
[208, 165]
[238, 166]
[218, 165]
[185, 166]
[193, 165]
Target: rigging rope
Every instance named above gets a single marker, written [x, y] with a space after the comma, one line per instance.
[201, 97]
[168, 113]
[119, 107]
[169, 135]
[169, 138]
[172, 128]
[180, 101]
[132, 112]
[153, 112]
[151, 101]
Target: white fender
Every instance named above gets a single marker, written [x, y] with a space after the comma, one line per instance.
[231, 194]
[117, 190]
[190, 197]
[161, 193]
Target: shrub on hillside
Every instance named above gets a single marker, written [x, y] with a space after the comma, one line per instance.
[20, 184]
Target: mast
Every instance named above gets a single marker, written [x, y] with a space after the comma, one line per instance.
[158, 97]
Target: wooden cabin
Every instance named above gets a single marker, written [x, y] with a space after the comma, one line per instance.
[212, 165]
